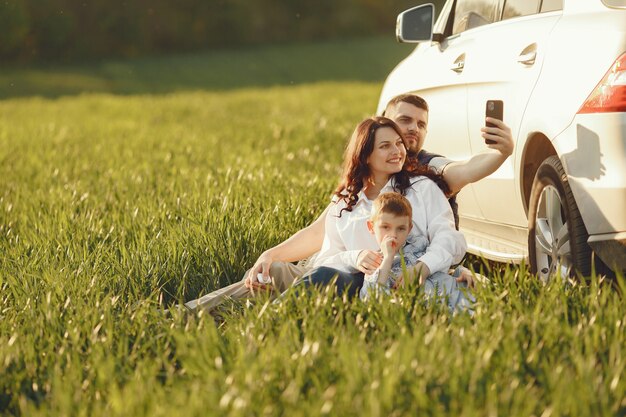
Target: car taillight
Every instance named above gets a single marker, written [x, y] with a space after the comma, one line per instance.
[610, 93]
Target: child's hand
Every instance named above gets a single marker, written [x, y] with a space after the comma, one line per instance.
[417, 273]
[389, 246]
[399, 283]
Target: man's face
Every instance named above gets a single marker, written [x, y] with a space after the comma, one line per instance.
[414, 124]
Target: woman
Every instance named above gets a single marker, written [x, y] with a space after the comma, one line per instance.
[373, 163]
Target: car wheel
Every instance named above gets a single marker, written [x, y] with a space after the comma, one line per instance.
[557, 237]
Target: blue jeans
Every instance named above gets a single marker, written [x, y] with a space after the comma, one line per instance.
[443, 286]
[323, 276]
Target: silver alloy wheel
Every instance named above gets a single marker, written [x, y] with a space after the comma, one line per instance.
[552, 249]
[557, 236]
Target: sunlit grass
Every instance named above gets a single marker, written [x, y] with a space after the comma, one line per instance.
[114, 207]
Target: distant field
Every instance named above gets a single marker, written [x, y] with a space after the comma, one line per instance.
[126, 186]
[361, 60]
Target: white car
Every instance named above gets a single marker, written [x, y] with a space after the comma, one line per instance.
[559, 66]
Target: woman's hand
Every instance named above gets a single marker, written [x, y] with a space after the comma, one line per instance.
[261, 266]
[368, 261]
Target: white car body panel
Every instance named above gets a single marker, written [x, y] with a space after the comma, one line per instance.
[575, 48]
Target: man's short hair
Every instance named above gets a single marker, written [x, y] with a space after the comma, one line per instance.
[413, 99]
[391, 203]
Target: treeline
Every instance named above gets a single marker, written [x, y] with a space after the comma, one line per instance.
[60, 30]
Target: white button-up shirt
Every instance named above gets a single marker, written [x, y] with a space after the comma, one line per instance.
[346, 236]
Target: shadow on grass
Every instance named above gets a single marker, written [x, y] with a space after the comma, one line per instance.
[366, 60]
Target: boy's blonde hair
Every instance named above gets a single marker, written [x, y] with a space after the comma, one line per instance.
[392, 203]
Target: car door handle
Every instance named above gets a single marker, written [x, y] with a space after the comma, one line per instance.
[459, 64]
[528, 55]
[527, 59]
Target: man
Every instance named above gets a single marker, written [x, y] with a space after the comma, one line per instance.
[410, 112]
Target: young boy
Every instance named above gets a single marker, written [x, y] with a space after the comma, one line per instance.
[391, 225]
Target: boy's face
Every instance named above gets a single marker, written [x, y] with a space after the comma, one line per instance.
[387, 224]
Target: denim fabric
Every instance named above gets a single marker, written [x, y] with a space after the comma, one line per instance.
[445, 288]
[414, 249]
[349, 283]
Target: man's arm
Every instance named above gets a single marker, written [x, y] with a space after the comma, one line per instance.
[458, 174]
[301, 245]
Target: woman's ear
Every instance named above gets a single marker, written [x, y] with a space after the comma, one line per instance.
[370, 226]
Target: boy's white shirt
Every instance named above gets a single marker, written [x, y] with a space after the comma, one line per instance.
[347, 236]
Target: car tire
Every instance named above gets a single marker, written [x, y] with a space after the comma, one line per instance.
[557, 237]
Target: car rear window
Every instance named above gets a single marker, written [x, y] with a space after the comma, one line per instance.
[615, 3]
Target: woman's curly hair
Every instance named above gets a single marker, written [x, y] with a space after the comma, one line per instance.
[356, 171]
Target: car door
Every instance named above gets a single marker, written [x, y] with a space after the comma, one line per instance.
[434, 72]
[505, 64]
[443, 83]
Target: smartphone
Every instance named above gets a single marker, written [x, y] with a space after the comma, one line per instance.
[495, 109]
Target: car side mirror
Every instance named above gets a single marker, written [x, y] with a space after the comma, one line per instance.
[416, 24]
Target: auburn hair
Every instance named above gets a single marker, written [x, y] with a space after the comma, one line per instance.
[356, 171]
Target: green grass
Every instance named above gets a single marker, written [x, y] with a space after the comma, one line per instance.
[124, 194]
[293, 64]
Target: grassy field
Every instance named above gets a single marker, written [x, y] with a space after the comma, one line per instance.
[128, 186]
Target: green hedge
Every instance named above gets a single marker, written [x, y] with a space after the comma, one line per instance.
[60, 30]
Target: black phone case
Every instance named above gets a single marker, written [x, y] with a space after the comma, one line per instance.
[494, 109]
